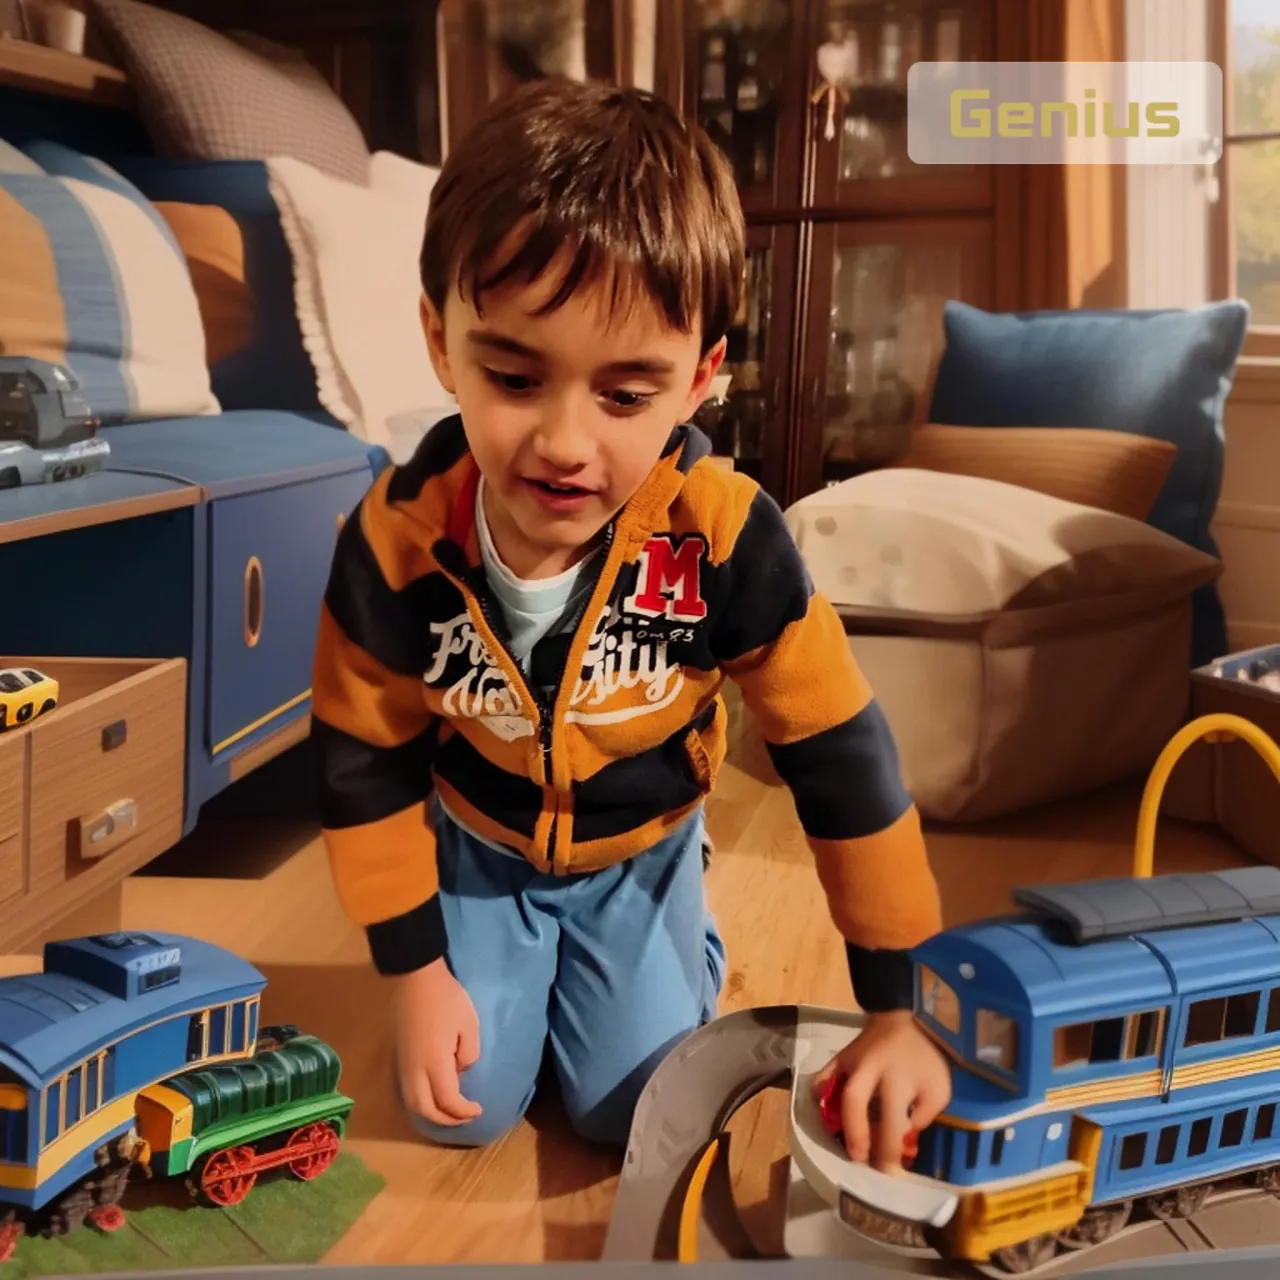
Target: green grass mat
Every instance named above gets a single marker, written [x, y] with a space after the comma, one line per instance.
[282, 1221]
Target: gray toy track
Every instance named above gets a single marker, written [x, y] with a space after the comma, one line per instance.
[705, 1079]
[686, 1103]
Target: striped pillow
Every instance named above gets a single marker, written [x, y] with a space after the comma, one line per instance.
[95, 281]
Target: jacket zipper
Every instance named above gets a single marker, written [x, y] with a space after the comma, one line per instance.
[546, 710]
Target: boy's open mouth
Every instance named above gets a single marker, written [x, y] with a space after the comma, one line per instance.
[559, 489]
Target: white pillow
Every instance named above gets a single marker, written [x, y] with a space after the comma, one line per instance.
[355, 256]
[902, 543]
[397, 175]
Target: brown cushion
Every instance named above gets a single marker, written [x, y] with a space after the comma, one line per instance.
[214, 248]
[203, 96]
[1111, 470]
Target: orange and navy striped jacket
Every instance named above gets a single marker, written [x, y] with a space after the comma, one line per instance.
[414, 687]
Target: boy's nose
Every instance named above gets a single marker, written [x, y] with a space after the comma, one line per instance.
[563, 443]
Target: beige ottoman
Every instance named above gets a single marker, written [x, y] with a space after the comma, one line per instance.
[1025, 649]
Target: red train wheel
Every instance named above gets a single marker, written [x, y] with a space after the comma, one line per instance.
[317, 1146]
[10, 1234]
[107, 1217]
[228, 1176]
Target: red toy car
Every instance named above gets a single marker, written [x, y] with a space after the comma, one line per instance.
[829, 1109]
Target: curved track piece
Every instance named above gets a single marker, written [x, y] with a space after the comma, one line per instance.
[685, 1105]
[711, 1228]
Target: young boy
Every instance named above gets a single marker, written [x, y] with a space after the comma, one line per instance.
[516, 698]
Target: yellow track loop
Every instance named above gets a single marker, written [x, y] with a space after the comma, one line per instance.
[1218, 727]
[691, 1210]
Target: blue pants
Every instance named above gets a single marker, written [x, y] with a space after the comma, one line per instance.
[608, 969]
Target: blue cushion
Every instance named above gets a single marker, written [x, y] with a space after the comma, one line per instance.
[273, 370]
[94, 282]
[1164, 374]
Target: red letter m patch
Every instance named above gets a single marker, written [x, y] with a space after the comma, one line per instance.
[668, 582]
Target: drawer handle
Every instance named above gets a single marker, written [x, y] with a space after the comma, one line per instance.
[107, 830]
[254, 589]
[115, 735]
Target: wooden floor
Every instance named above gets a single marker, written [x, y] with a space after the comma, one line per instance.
[253, 878]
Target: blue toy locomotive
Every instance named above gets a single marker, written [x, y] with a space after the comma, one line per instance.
[143, 1050]
[1116, 1056]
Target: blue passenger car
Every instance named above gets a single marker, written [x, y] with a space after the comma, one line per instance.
[1116, 1050]
[109, 1016]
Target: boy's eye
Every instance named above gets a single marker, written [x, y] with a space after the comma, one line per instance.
[516, 383]
[631, 399]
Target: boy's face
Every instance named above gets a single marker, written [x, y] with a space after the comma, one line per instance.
[566, 413]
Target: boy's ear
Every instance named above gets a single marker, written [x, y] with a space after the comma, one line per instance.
[707, 369]
[433, 331]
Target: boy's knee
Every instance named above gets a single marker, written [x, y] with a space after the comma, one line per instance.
[607, 1123]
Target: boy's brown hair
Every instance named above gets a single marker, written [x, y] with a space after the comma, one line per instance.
[640, 198]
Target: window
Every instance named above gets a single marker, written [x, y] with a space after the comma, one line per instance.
[1273, 1012]
[939, 1001]
[1120, 1039]
[52, 1111]
[160, 977]
[1233, 1124]
[1265, 1122]
[218, 1028]
[14, 1102]
[1167, 1147]
[1133, 1151]
[198, 1037]
[73, 1104]
[997, 1146]
[13, 1135]
[1199, 1142]
[1222, 1018]
[240, 1016]
[996, 1042]
[1248, 230]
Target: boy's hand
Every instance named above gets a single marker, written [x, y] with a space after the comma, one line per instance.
[894, 1070]
[437, 1038]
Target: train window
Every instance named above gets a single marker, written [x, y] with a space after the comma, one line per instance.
[1265, 1122]
[1222, 1018]
[1167, 1147]
[1133, 1151]
[997, 1040]
[1199, 1142]
[1273, 1011]
[13, 1135]
[52, 1111]
[218, 1030]
[973, 1148]
[75, 1095]
[939, 1001]
[1144, 1035]
[997, 1147]
[198, 1037]
[1233, 1128]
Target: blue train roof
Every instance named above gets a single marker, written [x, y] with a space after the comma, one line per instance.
[1033, 963]
[95, 990]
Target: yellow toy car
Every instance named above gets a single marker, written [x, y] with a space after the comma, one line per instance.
[25, 694]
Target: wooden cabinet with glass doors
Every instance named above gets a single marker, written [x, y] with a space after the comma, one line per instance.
[854, 248]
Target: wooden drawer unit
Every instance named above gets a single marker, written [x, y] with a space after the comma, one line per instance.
[103, 783]
[270, 556]
[13, 814]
